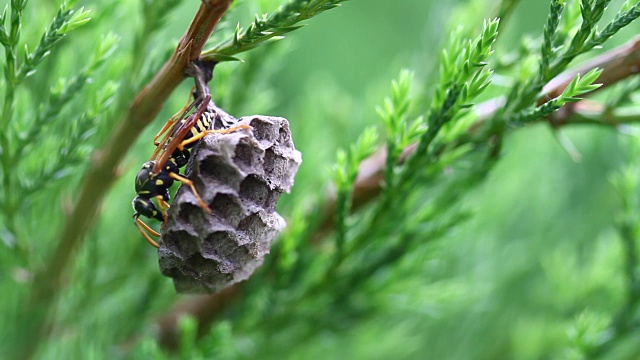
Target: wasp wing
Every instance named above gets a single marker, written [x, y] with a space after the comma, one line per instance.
[170, 129]
[178, 132]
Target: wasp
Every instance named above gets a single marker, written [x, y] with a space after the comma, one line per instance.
[157, 175]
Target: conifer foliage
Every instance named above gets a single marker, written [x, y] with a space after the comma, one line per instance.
[448, 206]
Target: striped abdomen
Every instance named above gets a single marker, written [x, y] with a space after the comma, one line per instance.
[203, 124]
[210, 120]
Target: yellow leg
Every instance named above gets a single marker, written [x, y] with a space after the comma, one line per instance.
[166, 127]
[188, 182]
[169, 124]
[205, 133]
[144, 228]
[164, 206]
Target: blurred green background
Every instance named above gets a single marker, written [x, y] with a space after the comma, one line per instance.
[538, 263]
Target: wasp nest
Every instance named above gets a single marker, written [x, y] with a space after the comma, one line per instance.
[240, 176]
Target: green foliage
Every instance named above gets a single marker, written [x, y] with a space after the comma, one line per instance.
[21, 179]
[345, 173]
[550, 36]
[446, 218]
[463, 76]
[400, 131]
[577, 87]
[268, 28]
[561, 45]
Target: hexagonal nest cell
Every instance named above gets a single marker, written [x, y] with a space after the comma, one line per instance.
[240, 176]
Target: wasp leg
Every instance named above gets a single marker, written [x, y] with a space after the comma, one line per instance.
[205, 133]
[188, 182]
[164, 207]
[162, 203]
[145, 230]
[169, 124]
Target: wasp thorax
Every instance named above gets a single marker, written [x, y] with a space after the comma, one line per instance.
[240, 176]
[143, 175]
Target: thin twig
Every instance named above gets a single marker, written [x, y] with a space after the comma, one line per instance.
[617, 64]
[49, 280]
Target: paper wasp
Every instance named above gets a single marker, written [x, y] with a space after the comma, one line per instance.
[158, 174]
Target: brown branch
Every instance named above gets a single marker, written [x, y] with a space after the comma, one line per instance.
[617, 64]
[103, 170]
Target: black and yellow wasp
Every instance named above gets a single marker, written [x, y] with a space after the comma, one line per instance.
[157, 175]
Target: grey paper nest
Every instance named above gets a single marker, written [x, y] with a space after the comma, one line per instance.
[240, 176]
